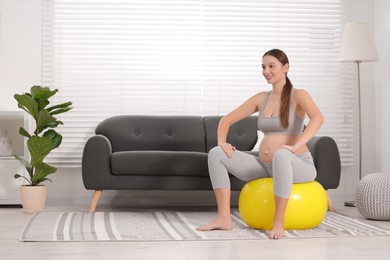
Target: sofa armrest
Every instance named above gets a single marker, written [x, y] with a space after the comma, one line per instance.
[96, 169]
[327, 161]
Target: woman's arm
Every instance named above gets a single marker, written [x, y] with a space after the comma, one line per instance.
[244, 110]
[306, 103]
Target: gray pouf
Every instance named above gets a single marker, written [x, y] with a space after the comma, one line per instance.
[373, 196]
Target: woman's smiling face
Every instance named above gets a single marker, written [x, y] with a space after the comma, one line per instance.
[273, 70]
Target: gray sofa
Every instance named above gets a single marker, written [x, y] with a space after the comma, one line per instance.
[170, 153]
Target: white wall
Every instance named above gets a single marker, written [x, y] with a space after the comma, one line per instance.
[362, 11]
[20, 68]
[20, 48]
[382, 87]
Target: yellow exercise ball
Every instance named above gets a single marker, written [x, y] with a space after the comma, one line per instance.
[306, 208]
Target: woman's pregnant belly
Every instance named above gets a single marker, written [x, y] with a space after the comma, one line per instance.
[271, 143]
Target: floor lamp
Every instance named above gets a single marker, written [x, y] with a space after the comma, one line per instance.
[357, 46]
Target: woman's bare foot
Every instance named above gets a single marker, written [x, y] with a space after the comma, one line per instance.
[219, 223]
[277, 231]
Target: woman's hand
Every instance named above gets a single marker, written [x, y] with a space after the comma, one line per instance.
[228, 149]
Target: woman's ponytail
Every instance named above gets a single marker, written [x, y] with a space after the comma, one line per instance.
[285, 103]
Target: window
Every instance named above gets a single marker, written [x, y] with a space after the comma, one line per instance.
[189, 57]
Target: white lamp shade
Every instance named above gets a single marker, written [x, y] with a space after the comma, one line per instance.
[358, 43]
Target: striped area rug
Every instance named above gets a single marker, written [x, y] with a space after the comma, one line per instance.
[169, 225]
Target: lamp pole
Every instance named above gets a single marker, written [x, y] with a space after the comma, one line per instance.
[360, 119]
[353, 203]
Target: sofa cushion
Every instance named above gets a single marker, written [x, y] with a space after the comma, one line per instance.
[158, 133]
[159, 163]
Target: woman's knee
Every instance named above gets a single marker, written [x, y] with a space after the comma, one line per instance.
[282, 154]
[216, 153]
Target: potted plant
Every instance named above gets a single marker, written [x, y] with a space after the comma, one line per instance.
[40, 143]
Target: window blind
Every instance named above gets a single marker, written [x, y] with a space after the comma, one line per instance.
[188, 57]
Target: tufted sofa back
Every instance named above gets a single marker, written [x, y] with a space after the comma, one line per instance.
[173, 133]
[243, 134]
[158, 133]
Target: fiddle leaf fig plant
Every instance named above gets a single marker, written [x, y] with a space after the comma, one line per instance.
[44, 138]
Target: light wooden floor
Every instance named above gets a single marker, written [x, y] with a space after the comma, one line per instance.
[13, 219]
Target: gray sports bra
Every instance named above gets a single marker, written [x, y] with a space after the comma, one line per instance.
[272, 125]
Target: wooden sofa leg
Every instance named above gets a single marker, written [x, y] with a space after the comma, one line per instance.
[95, 200]
[330, 203]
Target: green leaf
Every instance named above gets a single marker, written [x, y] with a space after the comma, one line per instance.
[28, 104]
[42, 103]
[63, 105]
[23, 132]
[39, 148]
[51, 125]
[44, 121]
[60, 111]
[17, 176]
[55, 137]
[26, 165]
[44, 179]
[42, 93]
[42, 170]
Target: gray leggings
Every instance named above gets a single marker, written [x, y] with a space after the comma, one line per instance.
[286, 168]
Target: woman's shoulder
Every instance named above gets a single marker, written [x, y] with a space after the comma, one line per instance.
[259, 96]
[264, 93]
[257, 99]
[300, 93]
[301, 96]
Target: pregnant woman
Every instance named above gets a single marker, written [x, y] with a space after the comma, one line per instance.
[283, 154]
